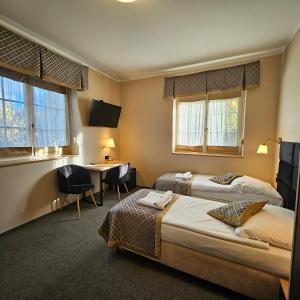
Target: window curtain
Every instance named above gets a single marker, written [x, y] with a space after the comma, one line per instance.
[222, 122]
[13, 114]
[190, 131]
[49, 118]
[238, 77]
[27, 57]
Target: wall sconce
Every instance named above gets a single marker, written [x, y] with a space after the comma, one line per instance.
[263, 148]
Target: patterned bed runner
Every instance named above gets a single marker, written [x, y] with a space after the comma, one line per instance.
[168, 182]
[134, 226]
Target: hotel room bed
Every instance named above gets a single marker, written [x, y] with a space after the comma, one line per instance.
[242, 188]
[184, 237]
[187, 224]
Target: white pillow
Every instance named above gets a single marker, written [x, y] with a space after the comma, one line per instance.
[273, 224]
[247, 184]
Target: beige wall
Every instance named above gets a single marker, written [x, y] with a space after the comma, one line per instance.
[29, 191]
[144, 138]
[146, 130]
[90, 141]
[289, 105]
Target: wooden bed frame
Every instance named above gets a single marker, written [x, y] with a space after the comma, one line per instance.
[234, 276]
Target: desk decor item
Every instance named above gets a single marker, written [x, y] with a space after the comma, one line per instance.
[110, 143]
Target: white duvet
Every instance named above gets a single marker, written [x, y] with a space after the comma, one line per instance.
[191, 214]
[242, 188]
[202, 183]
[187, 224]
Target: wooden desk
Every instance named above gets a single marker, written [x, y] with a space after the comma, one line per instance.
[102, 167]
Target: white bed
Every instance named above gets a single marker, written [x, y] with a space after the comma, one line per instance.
[242, 188]
[187, 224]
[190, 240]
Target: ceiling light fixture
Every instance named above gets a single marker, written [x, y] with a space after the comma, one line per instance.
[126, 1]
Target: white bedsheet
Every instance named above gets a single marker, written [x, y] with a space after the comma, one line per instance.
[230, 197]
[187, 224]
[203, 187]
[202, 183]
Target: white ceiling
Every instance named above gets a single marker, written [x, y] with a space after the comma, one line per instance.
[146, 37]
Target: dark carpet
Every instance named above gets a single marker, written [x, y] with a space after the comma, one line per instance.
[59, 257]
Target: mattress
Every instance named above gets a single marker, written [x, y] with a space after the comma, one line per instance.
[187, 224]
[204, 188]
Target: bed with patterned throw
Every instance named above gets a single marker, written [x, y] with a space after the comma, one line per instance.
[134, 226]
[168, 182]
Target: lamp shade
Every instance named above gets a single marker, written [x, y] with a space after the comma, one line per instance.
[262, 149]
[110, 143]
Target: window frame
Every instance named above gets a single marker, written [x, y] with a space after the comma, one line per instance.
[206, 150]
[30, 126]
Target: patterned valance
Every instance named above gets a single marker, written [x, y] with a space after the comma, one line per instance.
[32, 80]
[60, 70]
[18, 53]
[238, 77]
[27, 57]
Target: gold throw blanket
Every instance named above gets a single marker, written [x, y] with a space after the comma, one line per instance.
[134, 226]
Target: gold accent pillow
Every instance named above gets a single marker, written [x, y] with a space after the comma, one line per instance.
[225, 179]
[237, 213]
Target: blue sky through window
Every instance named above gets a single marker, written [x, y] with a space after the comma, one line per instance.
[49, 116]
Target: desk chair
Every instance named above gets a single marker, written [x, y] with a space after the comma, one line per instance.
[73, 179]
[117, 176]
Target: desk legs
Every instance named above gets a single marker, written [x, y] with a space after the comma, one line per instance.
[101, 189]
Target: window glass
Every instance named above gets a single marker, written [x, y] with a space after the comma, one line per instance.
[50, 118]
[223, 122]
[46, 109]
[13, 90]
[2, 138]
[212, 125]
[13, 114]
[1, 114]
[190, 123]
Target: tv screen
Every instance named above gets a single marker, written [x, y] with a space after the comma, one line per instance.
[104, 114]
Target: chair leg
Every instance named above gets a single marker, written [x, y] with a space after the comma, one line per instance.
[119, 192]
[126, 188]
[92, 196]
[78, 206]
[113, 188]
[63, 201]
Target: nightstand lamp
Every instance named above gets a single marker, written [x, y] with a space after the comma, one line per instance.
[263, 148]
[110, 143]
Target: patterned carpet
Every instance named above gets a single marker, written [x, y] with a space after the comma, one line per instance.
[59, 257]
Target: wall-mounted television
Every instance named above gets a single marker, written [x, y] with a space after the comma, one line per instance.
[104, 114]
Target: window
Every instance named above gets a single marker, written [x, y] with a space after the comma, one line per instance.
[13, 114]
[31, 116]
[49, 118]
[213, 125]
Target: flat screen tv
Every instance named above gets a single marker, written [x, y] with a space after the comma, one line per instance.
[104, 114]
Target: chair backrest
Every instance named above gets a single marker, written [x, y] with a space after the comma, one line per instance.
[70, 175]
[118, 175]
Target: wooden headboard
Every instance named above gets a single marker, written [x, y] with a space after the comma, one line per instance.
[288, 173]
